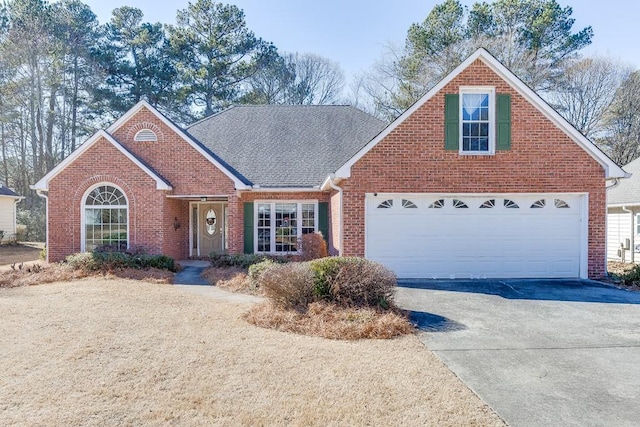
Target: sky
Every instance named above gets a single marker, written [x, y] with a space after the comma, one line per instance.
[355, 33]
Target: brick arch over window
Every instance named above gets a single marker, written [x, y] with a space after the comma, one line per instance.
[137, 127]
[78, 201]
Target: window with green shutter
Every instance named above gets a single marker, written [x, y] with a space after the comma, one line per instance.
[477, 121]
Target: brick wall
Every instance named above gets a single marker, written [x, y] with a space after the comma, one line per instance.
[103, 163]
[412, 159]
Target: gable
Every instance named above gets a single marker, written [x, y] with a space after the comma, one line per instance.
[488, 71]
[100, 136]
[164, 143]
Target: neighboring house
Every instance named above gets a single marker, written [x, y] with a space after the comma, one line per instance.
[623, 217]
[8, 202]
[479, 178]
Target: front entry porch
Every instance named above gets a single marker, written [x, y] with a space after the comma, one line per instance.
[208, 228]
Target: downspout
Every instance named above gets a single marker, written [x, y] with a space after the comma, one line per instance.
[15, 214]
[632, 234]
[339, 190]
[46, 224]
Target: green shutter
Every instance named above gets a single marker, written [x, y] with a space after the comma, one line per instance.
[248, 228]
[452, 122]
[323, 219]
[503, 122]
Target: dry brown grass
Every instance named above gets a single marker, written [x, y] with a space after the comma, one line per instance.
[100, 352]
[39, 274]
[333, 322]
[18, 253]
[233, 279]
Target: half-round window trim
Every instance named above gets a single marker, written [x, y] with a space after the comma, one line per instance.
[83, 207]
[145, 135]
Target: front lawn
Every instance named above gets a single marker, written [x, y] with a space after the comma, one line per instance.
[118, 352]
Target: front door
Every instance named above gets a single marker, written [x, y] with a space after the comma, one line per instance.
[211, 228]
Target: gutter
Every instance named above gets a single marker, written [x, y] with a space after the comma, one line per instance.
[631, 234]
[40, 193]
[339, 190]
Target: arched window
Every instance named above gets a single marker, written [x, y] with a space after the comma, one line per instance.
[106, 216]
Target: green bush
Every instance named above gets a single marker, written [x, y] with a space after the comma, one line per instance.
[256, 270]
[242, 260]
[631, 277]
[115, 260]
[235, 260]
[289, 286]
[325, 271]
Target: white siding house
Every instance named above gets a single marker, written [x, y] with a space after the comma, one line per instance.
[623, 217]
[8, 201]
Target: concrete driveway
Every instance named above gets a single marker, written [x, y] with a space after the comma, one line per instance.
[539, 352]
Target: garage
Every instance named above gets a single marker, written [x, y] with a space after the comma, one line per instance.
[478, 236]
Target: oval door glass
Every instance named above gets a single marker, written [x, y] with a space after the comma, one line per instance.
[211, 221]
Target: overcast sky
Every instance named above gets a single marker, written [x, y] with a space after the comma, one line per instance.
[355, 32]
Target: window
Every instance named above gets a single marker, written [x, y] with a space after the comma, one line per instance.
[145, 135]
[279, 224]
[539, 204]
[386, 204]
[408, 204]
[459, 204]
[638, 224]
[510, 204]
[561, 204]
[477, 118]
[105, 218]
[438, 204]
[488, 204]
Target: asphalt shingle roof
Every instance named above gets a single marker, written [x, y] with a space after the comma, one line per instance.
[286, 145]
[628, 190]
[4, 191]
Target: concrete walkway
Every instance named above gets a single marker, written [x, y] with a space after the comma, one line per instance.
[540, 353]
[189, 280]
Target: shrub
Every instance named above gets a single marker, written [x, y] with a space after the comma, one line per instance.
[325, 271]
[82, 261]
[91, 261]
[256, 270]
[312, 246]
[43, 253]
[630, 277]
[289, 286]
[363, 283]
[353, 281]
[235, 260]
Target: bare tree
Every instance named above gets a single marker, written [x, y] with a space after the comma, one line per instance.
[297, 78]
[622, 141]
[586, 90]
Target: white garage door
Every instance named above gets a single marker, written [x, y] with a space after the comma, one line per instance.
[488, 236]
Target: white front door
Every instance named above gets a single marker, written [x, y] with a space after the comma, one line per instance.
[478, 236]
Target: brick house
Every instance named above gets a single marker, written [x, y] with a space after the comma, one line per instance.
[479, 178]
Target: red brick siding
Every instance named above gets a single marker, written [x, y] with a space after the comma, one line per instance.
[412, 159]
[103, 163]
[189, 173]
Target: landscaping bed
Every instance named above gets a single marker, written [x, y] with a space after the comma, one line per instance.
[332, 297]
[624, 274]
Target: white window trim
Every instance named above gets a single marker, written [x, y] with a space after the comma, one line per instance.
[272, 230]
[83, 216]
[492, 119]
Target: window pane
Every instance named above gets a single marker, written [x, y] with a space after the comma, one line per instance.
[106, 219]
